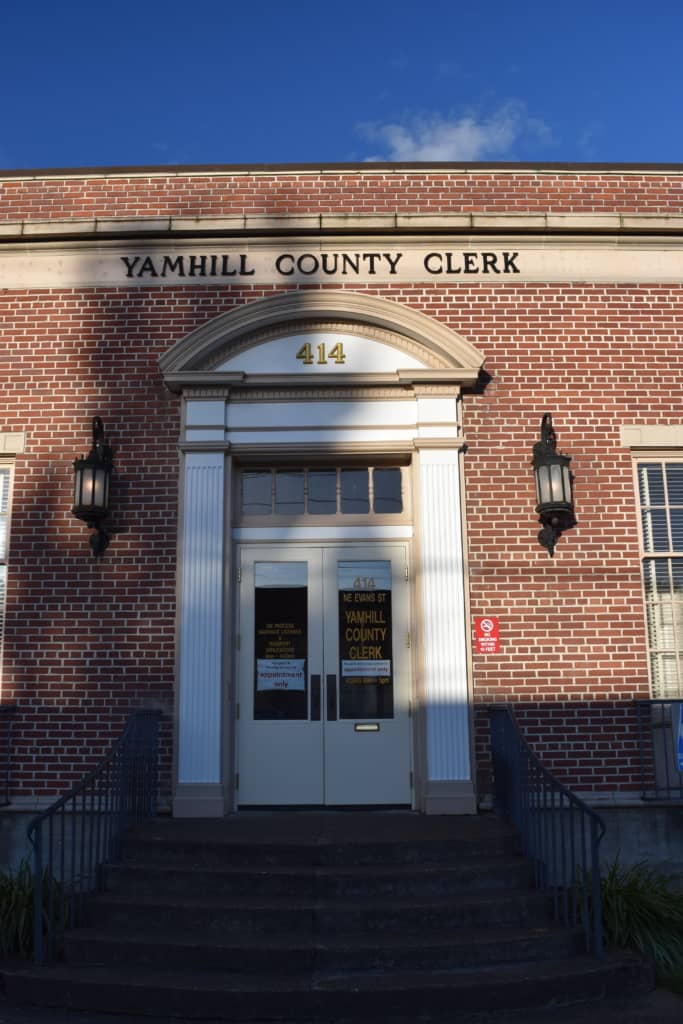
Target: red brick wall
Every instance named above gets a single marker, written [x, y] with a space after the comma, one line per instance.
[86, 640]
[359, 190]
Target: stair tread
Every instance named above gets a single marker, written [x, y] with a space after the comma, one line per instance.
[301, 903]
[480, 864]
[403, 980]
[336, 940]
[269, 829]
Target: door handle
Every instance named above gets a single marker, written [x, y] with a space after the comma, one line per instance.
[315, 698]
[331, 684]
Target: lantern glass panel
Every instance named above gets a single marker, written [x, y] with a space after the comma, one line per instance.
[543, 487]
[99, 490]
[556, 487]
[87, 485]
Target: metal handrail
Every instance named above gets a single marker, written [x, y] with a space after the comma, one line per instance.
[82, 830]
[660, 745]
[7, 713]
[559, 832]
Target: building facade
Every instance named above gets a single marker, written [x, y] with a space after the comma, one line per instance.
[322, 388]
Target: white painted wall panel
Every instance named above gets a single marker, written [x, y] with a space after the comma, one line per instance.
[448, 738]
[319, 533]
[437, 410]
[322, 414]
[201, 621]
[204, 413]
[317, 435]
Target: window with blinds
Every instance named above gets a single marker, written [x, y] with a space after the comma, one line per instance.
[5, 480]
[660, 489]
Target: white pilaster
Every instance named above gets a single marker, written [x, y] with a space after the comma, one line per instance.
[201, 630]
[445, 640]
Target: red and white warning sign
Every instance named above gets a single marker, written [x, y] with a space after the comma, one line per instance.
[487, 634]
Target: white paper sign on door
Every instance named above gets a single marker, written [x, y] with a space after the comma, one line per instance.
[367, 667]
[280, 674]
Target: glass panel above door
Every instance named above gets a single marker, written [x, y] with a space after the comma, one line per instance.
[257, 498]
[355, 493]
[386, 486]
[289, 492]
[326, 491]
[322, 492]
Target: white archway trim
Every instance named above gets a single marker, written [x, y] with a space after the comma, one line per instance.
[449, 355]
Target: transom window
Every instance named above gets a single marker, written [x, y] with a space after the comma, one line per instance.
[322, 491]
[660, 488]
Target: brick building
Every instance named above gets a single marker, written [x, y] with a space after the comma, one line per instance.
[322, 388]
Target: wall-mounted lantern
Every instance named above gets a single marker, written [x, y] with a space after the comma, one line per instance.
[553, 487]
[91, 487]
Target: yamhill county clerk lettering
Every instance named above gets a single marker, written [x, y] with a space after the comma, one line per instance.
[319, 264]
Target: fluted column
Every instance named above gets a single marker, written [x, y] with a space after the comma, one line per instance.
[447, 711]
[199, 783]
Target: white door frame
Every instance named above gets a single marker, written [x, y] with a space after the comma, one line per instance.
[398, 391]
[335, 756]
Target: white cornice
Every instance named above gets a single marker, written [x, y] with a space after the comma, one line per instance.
[415, 169]
[530, 223]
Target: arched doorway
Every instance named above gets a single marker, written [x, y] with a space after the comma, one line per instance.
[321, 478]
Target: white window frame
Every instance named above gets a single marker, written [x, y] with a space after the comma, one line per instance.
[6, 474]
[663, 608]
[332, 519]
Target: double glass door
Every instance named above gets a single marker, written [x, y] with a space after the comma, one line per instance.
[324, 676]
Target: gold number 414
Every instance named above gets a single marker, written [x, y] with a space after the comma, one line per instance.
[335, 355]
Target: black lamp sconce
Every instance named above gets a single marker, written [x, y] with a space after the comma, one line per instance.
[553, 487]
[92, 476]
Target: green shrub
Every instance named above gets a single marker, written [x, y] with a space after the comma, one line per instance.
[16, 908]
[641, 911]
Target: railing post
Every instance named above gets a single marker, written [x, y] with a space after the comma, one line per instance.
[38, 894]
[598, 943]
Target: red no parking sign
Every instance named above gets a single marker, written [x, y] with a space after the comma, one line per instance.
[487, 634]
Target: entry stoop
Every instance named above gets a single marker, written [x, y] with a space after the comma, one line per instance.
[322, 916]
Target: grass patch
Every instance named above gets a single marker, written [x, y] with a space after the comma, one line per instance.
[674, 982]
[641, 911]
[17, 908]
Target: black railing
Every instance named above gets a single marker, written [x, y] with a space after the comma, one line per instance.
[660, 738]
[80, 832]
[559, 832]
[7, 713]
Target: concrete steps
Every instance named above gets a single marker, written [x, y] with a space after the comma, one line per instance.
[306, 951]
[370, 996]
[303, 917]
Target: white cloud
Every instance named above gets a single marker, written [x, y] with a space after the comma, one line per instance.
[433, 137]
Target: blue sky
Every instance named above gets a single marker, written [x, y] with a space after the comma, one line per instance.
[139, 83]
